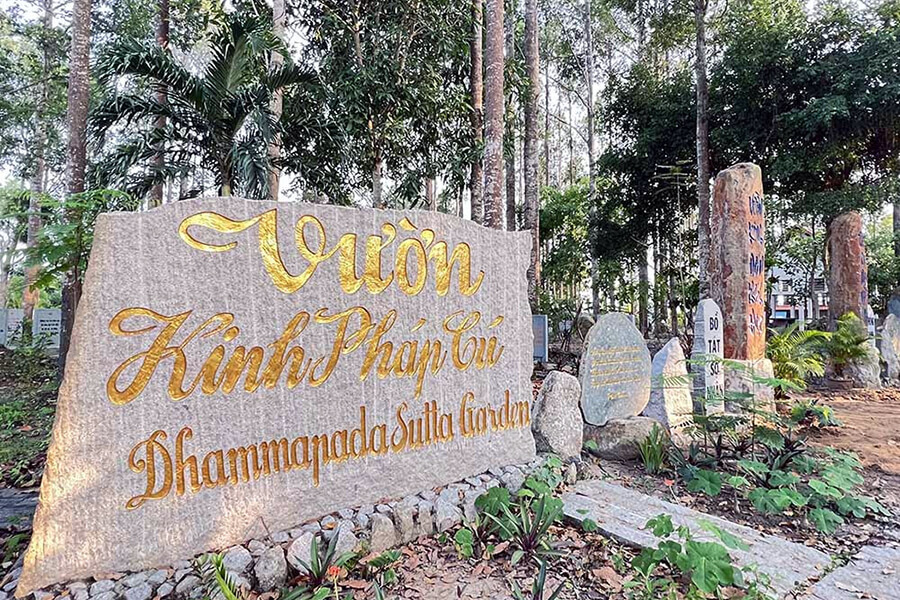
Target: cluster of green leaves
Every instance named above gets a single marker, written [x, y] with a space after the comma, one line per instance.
[849, 342]
[654, 450]
[797, 355]
[522, 523]
[320, 571]
[707, 564]
[823, 487]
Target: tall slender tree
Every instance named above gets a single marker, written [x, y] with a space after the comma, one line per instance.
[76, 149]
[511, 174]
[531, 160]
[703, 226]
[275, 106]
[31, 295]
[162, 93]
[591, 152]
[493, 115]
[476, 83]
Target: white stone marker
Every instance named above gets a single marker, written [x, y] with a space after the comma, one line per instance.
[707, 352]
[615, 370]
[47, 323]
[3, 317]
[540, 330]
[870, 325]
[15, 317]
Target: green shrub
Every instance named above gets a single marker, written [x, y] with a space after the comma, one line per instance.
[848, 343]
[797, 355]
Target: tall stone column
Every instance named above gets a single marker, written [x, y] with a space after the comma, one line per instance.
[848, 287]
[737, 279]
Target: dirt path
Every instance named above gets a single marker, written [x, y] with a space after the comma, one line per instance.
[871, 429]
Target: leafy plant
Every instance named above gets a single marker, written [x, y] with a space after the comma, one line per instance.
[810, 411]
[526, 525]
[796, 355]
[708, 565]
[216, 581]
[546, 478]
[537, 587]
[381, 568]
[320, 569]
[653, 449]
[849, 342]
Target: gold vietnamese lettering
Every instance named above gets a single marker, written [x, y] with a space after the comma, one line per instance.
[166, 476]
[230, 365]
[414, 250]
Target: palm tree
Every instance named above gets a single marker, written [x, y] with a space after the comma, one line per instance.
[220, 118]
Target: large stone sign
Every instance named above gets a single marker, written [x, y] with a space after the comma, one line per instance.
[15, 321]
[239, 367]
[670, 397]
[707, 354]
[737, 260]
[615, 370]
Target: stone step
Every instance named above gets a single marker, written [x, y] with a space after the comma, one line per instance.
[622, 513]
[874, 573]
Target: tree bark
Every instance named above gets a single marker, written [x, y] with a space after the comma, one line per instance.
[76, 151]
[643, 293]
[430, 196]
[531, 159]
[162, 38]
[493, 115]
[703, 226]
[511, 130]
[30, 294]
[377, 174]
[476, 90]
[277, 60]
[547, 124]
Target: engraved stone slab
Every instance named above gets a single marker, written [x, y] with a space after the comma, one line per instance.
[737, 260]
[539, 327]
[848, 285]
[15, 319]
[3, 317]
[707, 351]
[239, 367]
[615, 370]
[871, 321]
[670, 394]
[47, 323]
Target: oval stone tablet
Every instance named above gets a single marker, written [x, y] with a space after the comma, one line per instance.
[615, 370]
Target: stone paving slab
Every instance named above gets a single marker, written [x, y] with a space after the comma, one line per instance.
[874, 574]
[622, 513]
[17, 507]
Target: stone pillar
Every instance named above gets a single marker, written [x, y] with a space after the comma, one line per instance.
[737, 278]
[737, 260]
[848, 287]
[707, 353]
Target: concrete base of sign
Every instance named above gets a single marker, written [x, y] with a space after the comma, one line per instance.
[743, 379]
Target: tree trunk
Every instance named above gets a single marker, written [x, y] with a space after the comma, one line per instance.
[703, 227]
[530, 159]
[547, 124]
[493, 115]
[162, 38]
[511, 130]
[76, 151]
[813, 297]
[571, 140]
[275, 105]
[643, 293]
[377, 174]
[896, 229]
[430, 197]
[592, 221]
[476, 83]
[30, 294]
